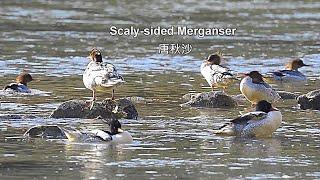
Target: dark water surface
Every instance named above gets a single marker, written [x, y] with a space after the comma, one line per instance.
[51, 40]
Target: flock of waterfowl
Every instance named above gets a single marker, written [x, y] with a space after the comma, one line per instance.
[101, 76]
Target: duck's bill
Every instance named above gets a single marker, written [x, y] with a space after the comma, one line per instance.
[274, 109]
[120, 130]
[307, 65]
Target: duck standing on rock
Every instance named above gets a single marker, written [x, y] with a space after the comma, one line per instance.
[215, 74]
[290, 74]
[255, 89]
[260, 123]
[100, 76]
[21, 83]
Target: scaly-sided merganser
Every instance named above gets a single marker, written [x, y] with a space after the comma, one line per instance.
[260, 123]
[255, 89]
[215, 74]
[21, 83]
[290, 74]
[100, 76]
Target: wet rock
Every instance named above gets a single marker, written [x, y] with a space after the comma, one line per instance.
[287, 95]
[45, 132]
[214, 99]
[310, 100]
[121, 108]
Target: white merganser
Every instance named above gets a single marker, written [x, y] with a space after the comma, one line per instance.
[260, 123]
[290, 74]
[21, 84]
[215, 74]
[100, 76]
[255, 89]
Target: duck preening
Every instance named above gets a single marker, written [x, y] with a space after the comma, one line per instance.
[100, 76]
[21, 84]
[115, 134]
[215, 74]
[255, 89]
[289, 75]
[260, 123]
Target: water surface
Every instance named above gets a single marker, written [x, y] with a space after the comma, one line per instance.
[51, 40]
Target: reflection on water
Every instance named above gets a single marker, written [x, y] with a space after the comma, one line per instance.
[52, 39]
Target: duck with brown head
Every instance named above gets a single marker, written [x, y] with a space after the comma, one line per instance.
[255, 89]
[100, 76]
[215, 74]
[21, 83]
[289, 75]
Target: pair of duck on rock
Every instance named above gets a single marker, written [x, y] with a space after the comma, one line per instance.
[266, 119]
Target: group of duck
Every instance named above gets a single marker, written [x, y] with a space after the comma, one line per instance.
[265, 119]
[102, 76]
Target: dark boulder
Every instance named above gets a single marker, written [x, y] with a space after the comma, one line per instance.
[310, 100]
[121, 108]
[213, 99]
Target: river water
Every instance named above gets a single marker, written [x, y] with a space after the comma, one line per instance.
[51, 39]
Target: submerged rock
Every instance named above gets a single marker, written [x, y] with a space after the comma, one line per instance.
[16, 116]
[121, 108]
[310, 100]
[214, 99]
[287, 95]
[46, 132]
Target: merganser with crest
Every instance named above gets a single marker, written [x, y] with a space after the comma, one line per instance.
[215, 74]
[21, 83]
[255, 89]
[260, 123]
[290, 74]
[100, 76]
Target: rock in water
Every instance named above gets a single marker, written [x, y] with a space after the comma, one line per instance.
[216, 99]
[122, 108]
[46, 132]
[287, 95]
[310, 100]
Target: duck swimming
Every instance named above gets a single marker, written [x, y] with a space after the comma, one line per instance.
[21, 83]
[215, 74]
[290, 74]
[100, 76]
[116, 134]
[260, 123]
[255, 89]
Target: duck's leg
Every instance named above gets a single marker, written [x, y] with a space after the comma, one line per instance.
[90, 103]
[93, 99]
[112, 96]
[212, 87]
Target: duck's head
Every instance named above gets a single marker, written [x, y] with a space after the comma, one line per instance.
[265, 106]
[95, 55]
[215, 58]
[115, 127]
[295, 64]
[24, 78]
[255, 76]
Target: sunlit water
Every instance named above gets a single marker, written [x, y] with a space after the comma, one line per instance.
[51, 40]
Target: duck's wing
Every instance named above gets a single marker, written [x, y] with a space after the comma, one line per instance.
[251, 116]
[105, 74]
[219, 73]
[13, 86]
[235, 126]
[103, 135]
